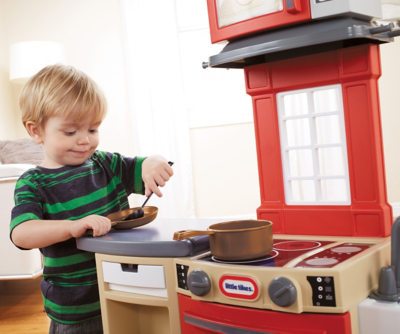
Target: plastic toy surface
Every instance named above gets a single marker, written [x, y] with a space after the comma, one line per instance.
[231, 19]
[356, 70]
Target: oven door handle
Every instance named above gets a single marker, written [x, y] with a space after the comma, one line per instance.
[219, 328]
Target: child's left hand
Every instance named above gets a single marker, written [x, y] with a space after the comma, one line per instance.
[155, 172]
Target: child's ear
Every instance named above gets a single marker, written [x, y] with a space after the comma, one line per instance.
[34, 131]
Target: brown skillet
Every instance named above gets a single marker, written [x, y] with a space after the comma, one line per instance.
[236, 240]
[150, 213]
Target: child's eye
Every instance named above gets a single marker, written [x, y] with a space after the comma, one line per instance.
[93, 130]
[68, 133]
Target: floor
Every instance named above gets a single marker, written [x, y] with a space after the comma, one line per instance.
[21, 307]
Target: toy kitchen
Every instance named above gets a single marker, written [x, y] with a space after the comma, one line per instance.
[312, 70]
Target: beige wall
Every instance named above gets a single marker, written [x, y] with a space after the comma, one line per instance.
[389, 87]
[225, 170]
[224, 157]
[8, 112]
[91, 32]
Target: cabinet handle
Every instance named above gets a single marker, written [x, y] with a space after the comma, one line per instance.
[293, 6]
[220, 328]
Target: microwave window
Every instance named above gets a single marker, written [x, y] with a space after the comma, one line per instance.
[233, 11]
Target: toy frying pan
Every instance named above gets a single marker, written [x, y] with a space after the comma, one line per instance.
[150, 213]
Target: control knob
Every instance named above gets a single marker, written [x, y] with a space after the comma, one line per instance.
[199, 283]
[282, 291]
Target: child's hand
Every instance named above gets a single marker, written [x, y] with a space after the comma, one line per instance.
[99, 224]
[155, 171]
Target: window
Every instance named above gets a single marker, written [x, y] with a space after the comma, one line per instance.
[313, 146]
[232, 11]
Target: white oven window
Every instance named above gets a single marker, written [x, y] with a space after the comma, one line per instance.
[233, 11]
[313, 146]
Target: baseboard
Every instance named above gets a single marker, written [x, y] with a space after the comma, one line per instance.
[396, 209]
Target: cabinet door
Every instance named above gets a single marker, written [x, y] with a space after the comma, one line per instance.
[15, 263]
[198, 317]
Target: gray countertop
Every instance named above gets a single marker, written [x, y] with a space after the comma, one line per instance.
[151, 240]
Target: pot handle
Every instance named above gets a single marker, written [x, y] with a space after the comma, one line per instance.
[185, 234]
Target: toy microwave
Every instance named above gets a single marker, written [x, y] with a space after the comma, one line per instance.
[231, 19]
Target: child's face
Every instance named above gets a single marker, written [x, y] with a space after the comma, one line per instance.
[66, 142]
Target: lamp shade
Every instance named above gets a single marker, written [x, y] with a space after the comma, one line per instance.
[28, 58]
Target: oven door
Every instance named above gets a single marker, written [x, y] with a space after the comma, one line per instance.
[203, 317]
[230, 19]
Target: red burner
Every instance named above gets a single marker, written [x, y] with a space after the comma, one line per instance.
[296, 245]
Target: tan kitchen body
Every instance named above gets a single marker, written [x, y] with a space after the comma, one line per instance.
[140, 292]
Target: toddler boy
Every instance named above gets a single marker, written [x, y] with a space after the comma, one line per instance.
[73, 190]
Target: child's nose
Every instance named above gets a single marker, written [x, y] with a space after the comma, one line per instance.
[84, 139]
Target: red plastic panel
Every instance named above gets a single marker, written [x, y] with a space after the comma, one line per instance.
[355, 62]
[361, 142]
[274, 217]
[318, 220]
[299, 13]
[259, 77]
[258, 320]
[304, 72]
[357, 69]
[367, 224]
[269, 162]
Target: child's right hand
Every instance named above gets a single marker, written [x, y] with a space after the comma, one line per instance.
[155, 173]
[99, 224]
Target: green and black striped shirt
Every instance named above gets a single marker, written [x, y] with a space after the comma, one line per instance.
[100, 186]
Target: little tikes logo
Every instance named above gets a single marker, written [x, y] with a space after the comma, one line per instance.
[238, 287]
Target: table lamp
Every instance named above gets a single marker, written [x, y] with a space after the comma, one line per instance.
[28, 58]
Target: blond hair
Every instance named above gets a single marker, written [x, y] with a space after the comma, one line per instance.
[61, 91]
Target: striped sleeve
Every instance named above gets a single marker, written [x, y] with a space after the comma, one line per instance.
[128, 170]
[137, 184]
[27, 203]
